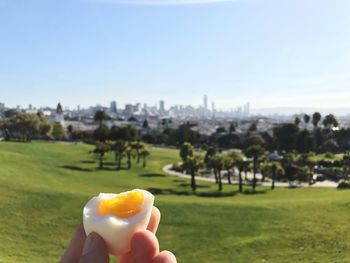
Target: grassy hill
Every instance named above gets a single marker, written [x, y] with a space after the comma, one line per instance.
[43, 187]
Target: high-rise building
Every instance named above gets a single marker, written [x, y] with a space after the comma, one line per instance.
[2, 106]
[113, 107]
[205, 102]
[162, 106]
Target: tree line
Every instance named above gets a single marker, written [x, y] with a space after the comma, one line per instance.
[26, 126]
[123, 142]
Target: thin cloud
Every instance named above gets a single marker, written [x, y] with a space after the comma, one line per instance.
[162, 2]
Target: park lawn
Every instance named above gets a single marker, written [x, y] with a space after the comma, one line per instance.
[43, 187]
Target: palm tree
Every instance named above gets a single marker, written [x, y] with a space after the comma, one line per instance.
[186, 151]
[211, 164]
[316, 117]
[236, 157]
[101, 116]
[192, 165]
[255, 152]
[218, 164]
[130, 153]
[138, 146]
[306, 118]
[119, 148]
[229, 165]
[241, 166]
[70, 131]
[276, 169]
[144, 154]
[101, 149]
[309, 159]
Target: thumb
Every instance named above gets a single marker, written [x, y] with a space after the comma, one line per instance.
[94, 250]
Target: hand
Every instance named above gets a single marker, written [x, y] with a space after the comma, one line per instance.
[144, 247]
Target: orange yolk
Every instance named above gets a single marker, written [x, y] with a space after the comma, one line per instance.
[123, 205]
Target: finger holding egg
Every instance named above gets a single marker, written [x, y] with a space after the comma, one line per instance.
[117, 217]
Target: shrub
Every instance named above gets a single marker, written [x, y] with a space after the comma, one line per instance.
[177, 167]
[344, 184]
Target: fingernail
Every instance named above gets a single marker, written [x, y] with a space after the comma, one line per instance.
[89, 243]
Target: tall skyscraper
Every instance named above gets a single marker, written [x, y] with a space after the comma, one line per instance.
[162, 106]
[113, 107]
[205, 102]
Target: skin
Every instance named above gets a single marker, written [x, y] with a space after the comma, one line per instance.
[144, 247]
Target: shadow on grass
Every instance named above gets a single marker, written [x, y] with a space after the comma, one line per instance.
[183, 184]
[152, 175]
[168, 191]
[252, 192]
[76, 168]
[88, 161]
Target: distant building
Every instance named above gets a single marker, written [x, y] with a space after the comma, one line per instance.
[129, 110]
[205, 102]
[113, 107]
[161, 106]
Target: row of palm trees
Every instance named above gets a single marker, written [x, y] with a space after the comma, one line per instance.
[231, 162]
[122, 150]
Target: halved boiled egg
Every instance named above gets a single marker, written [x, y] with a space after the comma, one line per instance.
[116, 217]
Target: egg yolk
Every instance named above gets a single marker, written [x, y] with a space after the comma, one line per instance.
[123, 205]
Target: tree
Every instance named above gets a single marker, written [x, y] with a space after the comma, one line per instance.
[286, 136]
[253, 140]
[57, 130]
[127, 133]
[22, 126]
[101, 116]
[145, 124]
[217, 163]
[119, 148]
[229, 166]
[330, 121]
[316, 117]
[138, 146]
[306, 119]
[101, 134]
[221, 129]
[241, 167]
[70, 130]
[304, 141]
[253, 127]
[101, 149]
[144, 154]
[130, 153]
[255, 152]
[310, 160]
[186, 151]
[192, 166]
[276, 170]
[233, 126]
[297, 121]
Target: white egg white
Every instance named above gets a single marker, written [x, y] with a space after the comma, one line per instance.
[116, 232]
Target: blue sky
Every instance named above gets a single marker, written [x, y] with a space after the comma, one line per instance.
[269, 52]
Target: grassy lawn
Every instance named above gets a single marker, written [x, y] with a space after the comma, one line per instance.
[43, 187]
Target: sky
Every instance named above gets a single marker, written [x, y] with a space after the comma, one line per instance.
[273, 53]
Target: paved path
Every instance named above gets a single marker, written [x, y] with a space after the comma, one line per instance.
[167, 170]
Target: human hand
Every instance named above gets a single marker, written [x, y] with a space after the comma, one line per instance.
[144, 247]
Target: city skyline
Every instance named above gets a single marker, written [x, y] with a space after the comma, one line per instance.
[271, 53]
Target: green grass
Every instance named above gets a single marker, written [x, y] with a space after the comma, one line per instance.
[43, 187]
